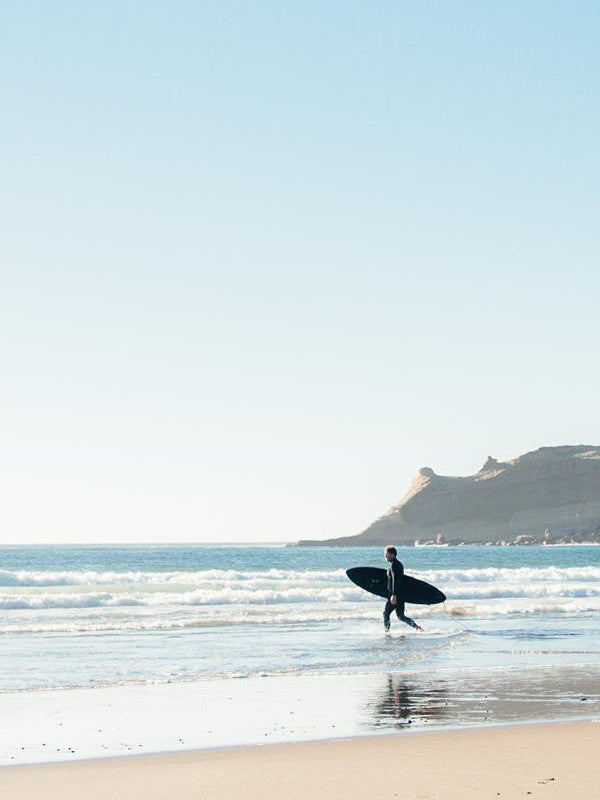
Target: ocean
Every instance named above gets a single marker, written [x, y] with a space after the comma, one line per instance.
[90, 616]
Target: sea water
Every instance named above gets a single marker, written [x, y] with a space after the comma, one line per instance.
[105, 616]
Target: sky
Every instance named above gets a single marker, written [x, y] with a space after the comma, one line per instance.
[261, 261]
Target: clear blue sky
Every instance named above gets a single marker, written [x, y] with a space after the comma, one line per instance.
[260, 261]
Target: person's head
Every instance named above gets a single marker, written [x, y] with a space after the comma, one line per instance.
[390, 552]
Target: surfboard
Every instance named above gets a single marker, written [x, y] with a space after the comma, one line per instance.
[374, 580]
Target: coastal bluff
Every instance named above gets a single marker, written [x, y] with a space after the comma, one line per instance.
[550, 495]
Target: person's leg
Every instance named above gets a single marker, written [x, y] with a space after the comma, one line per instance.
[402, 616]
[386, 615]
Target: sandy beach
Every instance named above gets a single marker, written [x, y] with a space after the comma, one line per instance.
[544, 760]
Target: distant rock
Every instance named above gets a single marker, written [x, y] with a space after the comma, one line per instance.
[549, 495]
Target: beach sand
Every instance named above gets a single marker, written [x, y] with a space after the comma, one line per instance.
[549, 761]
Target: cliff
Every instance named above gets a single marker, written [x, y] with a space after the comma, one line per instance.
[551, 494]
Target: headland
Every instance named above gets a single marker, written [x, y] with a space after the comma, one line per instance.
[548, 496]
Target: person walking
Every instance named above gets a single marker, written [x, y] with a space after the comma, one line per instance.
[395, 578]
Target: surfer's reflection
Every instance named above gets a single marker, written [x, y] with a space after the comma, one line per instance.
[403, 703]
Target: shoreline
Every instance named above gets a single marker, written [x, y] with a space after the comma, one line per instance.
[511, 761]
[454, 543]
[408, 732]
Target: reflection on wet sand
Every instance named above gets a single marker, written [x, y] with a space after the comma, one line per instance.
[406, 701]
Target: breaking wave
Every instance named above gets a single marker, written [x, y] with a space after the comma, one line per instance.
[203, 577]
[96, 601]
[198, 597]
[443, 577]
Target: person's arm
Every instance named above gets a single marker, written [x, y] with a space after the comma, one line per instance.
[398, 575]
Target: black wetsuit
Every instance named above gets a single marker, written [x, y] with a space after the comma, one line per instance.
[395, 576]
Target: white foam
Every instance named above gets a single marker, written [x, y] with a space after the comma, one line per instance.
[519, 575]
[196, 597]
[78, 601]
[506, 590]
[199, 577]
[531, 608]
[23, 578]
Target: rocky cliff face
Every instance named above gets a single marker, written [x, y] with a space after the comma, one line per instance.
[551, 494]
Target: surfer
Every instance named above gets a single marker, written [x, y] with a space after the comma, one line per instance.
[395, 576]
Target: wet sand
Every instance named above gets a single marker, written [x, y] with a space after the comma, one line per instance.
[549, 761]
[70, 725]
